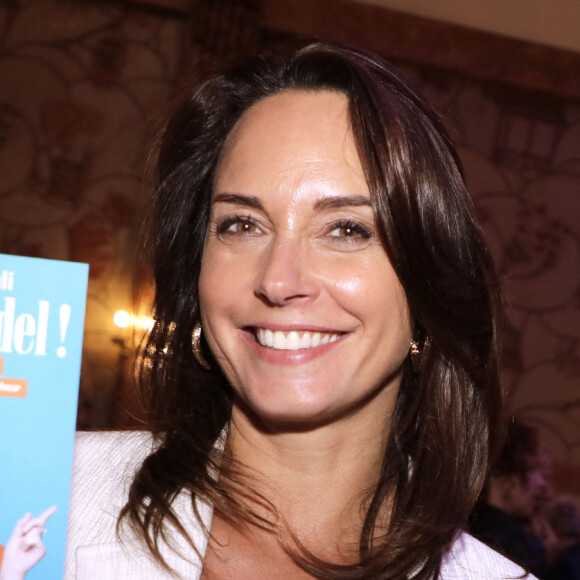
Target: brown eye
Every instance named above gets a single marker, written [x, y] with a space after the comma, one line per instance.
[349, 230]
[238, 226]
[243, 227]
[348, 233]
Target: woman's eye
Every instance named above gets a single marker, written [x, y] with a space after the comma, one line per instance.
[242, 228]
[349, 230]
[238, 226]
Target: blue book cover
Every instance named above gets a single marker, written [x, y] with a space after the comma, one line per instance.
[42, 311]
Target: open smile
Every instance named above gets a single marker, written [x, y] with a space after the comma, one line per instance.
[294, 339]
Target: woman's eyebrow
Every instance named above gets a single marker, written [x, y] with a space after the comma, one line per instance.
[330, 202]
[238, 199]
[334, 202]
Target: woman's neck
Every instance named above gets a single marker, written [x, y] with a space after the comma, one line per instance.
[318, 480]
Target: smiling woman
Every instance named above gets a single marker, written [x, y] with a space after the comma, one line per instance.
[300, 304]
[321, 378]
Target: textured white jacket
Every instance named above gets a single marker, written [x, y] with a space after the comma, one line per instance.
[103, 468]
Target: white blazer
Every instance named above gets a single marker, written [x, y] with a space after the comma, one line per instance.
[104, 465]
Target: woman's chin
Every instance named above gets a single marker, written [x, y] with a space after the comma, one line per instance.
[279, 415]
[306, 413]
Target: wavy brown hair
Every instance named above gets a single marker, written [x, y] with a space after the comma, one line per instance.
[444, 427]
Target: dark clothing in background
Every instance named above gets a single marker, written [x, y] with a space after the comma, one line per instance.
[566, 566]
[499, 531]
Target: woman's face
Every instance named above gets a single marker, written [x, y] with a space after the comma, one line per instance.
[300, 304]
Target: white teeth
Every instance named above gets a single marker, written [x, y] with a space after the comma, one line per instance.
[268, 336]
[293, 340]
[279, 340]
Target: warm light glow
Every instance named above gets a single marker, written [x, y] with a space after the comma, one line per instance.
[122, 318]
[143, 322]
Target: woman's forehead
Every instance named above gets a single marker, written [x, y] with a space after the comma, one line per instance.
[294, 135]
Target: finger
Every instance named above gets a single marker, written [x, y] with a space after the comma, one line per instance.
[33, 524]
[43, 517]
[32, 538]
[40, 520]
[21, 523]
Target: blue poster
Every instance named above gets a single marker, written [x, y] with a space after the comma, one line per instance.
[42, 311]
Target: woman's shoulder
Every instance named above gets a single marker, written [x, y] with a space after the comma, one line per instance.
[111, 446]
[103, 468]
[470, 559]
[106, 461]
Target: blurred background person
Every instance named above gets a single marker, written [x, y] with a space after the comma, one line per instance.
[563, 515]
[507, 516]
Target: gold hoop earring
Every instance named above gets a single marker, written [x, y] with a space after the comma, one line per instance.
[418, 355]
[196, 346]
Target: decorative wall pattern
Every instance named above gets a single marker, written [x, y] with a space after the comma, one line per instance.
[521, 154]
[82, 88]
[83, 85]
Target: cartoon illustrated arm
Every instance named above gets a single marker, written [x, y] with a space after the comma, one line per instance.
[25, 547]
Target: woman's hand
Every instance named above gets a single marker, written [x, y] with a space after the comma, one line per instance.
[25, 547]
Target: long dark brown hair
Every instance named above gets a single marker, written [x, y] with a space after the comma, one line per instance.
[444, 427]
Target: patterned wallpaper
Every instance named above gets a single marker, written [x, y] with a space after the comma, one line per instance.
[521, 154]
[83, 86]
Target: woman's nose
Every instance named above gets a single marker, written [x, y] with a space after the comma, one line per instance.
[287, 274]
